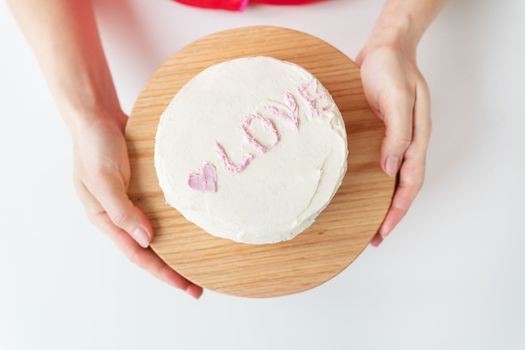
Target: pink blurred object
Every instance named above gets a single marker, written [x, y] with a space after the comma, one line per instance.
[240, 5]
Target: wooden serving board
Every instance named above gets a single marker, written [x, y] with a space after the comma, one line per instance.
[339, 234]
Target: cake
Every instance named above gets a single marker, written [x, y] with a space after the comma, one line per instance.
[251, 150]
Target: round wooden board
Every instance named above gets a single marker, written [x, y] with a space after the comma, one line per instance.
[339, 234]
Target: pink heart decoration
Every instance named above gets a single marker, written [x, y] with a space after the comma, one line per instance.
[206, 181]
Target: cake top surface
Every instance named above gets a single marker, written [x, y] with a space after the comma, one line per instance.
[251, 150]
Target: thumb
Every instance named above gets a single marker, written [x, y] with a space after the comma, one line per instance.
[398, 133]
[110, 191]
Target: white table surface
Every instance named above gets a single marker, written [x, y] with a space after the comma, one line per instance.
[451, 276]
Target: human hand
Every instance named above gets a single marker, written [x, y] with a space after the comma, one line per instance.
[101, 178]
[398, 94]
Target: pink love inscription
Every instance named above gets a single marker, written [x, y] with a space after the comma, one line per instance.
[268, 124]
[228, 164]
[293, 117]
[313, 100]
[207, 180]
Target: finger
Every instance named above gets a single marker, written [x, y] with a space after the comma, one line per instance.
[413, 168]
[144, 258]
[398, 117]
[376, 240]
[91, 206]
[110, 191]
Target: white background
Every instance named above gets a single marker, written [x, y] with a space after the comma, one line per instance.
[451, 276]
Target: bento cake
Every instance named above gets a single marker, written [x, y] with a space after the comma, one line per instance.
[251, 150]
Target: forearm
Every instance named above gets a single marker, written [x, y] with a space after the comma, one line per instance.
[403, 22]
[64, 36]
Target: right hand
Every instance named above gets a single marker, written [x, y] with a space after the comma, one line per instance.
[101, 179]
[398, 93]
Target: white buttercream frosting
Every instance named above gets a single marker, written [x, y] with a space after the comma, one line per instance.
[279, 193]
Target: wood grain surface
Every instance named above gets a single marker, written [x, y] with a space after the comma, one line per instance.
[339, 234]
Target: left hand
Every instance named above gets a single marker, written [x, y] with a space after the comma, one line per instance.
[101, 176]
[398, 94]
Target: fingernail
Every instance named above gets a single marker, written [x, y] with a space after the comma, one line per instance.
[194, 291]
[384, 230]
[392, 165]
[141, 236]
[376, 241]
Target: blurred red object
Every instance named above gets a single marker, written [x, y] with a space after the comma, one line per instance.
[240, 5]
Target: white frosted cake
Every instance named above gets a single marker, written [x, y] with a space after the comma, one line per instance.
[251, 150]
